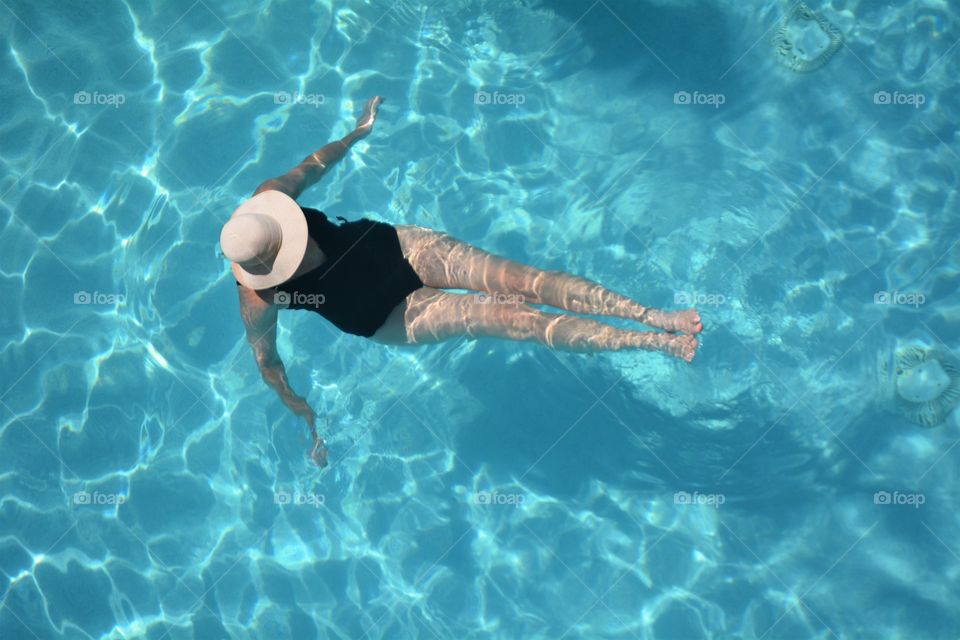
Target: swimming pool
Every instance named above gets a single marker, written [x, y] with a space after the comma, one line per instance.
[154, 487]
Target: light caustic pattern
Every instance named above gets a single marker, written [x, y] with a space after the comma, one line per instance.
[151, 485]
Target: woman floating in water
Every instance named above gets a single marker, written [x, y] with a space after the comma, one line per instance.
[386, 283]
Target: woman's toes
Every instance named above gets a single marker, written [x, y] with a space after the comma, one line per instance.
[686, 321]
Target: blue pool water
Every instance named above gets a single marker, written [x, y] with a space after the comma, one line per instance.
[152, 486]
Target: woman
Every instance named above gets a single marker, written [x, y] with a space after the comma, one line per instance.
[385, 283]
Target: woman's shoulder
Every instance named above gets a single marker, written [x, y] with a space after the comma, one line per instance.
[310, 211]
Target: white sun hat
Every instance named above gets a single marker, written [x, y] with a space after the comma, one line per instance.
[265, 239]
[924, 382]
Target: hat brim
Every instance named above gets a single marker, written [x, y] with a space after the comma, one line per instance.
[293, 239]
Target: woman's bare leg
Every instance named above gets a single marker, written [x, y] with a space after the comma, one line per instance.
[429, 316]
[443, 262]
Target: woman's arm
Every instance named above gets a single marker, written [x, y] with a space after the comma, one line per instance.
[260, 320]
[314, 166]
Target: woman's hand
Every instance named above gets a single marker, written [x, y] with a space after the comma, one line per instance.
[318, 453]
[367, 118]
[318, 163]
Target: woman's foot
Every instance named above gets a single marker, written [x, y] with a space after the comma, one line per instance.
[683, 347]
[686, 321]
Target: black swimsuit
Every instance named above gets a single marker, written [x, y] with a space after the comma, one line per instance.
[363, 278]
